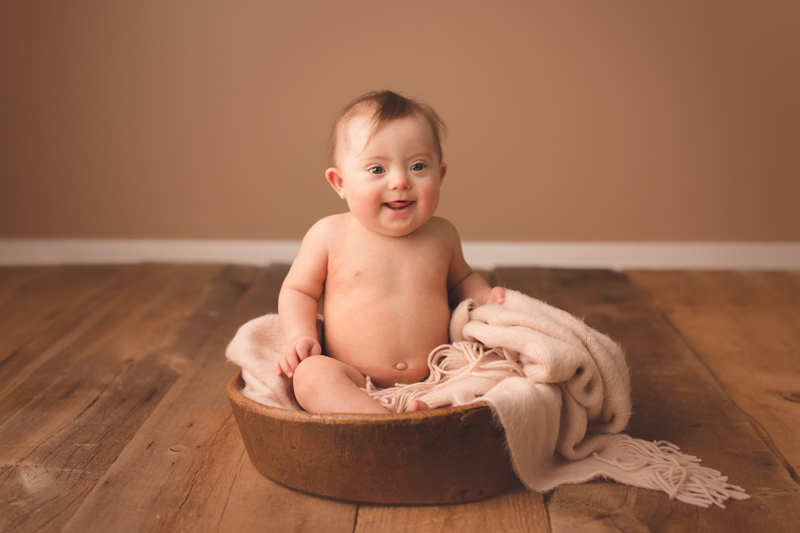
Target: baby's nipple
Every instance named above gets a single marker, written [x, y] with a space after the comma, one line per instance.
[401, 366]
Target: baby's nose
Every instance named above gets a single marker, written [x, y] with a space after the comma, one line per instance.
[399, 180]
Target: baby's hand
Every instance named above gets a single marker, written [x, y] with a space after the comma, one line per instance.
[495, 296]
[298, 349]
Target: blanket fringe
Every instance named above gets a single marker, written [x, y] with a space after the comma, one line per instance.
[447, 363]
[668, 469]
[658, 465]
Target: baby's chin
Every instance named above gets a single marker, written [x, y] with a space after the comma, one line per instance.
[390, 230]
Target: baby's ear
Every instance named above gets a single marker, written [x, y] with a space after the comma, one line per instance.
[442, 172]
[335, 179]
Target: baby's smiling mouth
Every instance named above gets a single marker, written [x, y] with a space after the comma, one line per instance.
[398, 206]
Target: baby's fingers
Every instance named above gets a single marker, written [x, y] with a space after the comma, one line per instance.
[287, 368]
[316, 349]
[497, 295]
[289, 362]
[306, 348]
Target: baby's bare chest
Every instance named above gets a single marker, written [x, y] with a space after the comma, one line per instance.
[387, 305]
[380, 268]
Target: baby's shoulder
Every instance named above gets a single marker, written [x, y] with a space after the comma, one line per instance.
[317, 239]
[443, 229]
[327, 226]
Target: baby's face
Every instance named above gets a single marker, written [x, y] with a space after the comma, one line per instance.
[392, 183]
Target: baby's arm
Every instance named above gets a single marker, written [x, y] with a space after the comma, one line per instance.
[463, 283]
[299, 298]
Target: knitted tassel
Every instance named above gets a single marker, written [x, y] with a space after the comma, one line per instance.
[449, 363]
[658, 465]
[662, 466]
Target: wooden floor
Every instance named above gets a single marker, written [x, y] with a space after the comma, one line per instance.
[113, 414]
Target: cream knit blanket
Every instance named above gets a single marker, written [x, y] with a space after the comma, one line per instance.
[560, 389]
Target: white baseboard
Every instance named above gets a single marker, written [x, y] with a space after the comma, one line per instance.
[637, 255]
[484, 255]
[108, 251]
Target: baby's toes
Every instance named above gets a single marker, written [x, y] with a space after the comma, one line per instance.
[498, 295]
[418, 405]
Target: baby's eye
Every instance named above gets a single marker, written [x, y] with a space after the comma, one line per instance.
[377, 170]
[416, 167]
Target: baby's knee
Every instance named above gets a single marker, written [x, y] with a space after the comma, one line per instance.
[307, 376]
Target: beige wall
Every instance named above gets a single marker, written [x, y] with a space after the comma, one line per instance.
[594, 120]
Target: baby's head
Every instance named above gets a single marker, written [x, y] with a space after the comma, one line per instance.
[381, 108]
[387, 162]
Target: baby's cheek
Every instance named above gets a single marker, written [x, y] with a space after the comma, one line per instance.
[363, 208]
[430, 199]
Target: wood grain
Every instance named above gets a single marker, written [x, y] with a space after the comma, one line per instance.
[440, 456]
[139, 324]
[30, 304]
[113, 412]
[103, 390]
[66, 312]
[745, 327]
[675, 399]
[185, 469]
[251, 502]
[11, 277]
[515, 510]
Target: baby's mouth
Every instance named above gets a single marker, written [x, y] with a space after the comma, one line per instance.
[398, 206]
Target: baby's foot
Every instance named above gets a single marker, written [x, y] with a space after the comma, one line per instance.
[418, 405]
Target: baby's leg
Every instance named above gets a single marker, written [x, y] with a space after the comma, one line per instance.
[324, 385]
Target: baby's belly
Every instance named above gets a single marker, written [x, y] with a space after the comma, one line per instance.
[387, 341]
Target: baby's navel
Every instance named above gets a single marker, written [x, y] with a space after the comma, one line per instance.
[401, 366]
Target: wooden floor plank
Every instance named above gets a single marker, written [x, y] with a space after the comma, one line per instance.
[96, 397]
[514, 510]
[255, 503]
[142, 319]
[675, 399]
[11, 277]
[745, 327]
[33, 303]
[185, 469]
[113, 413]
[64, 324]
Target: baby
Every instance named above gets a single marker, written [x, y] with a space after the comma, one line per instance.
[389, 270]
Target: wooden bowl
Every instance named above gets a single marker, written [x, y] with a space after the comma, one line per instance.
[449, 455]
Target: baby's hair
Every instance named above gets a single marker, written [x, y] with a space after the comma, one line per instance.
[386, 106]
